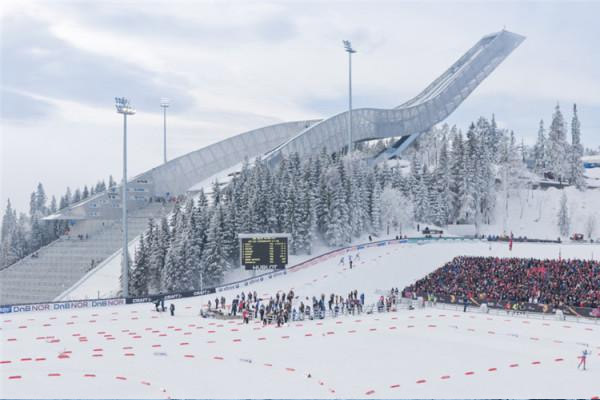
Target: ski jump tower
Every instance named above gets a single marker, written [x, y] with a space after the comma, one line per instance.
[413, 118]
[36, 280]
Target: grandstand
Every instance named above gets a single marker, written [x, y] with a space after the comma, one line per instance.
[63, 262]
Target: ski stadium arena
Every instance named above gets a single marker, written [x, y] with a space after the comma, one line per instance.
[56, 342]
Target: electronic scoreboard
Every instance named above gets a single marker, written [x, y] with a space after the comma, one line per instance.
[264, 251]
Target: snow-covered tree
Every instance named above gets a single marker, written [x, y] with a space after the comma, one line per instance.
[540, 151]
[214, 259]
[396, 209]
[558, 147]
[138, 280]
[590, 225]
[158, 251]
[575, 163]
[457, 177]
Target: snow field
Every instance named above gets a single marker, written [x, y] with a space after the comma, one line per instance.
[133, 352]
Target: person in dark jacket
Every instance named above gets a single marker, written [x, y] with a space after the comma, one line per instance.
[172, 309]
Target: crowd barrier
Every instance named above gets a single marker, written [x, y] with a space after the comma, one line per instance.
[521, 307]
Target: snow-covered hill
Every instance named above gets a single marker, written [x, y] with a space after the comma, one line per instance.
[534, 213]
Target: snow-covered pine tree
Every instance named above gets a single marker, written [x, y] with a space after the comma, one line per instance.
[344, 186]
[138, 280]
[303, 218]
[416, 169]
[158, 251]
[539, 151]
[9, 226]
[77, 196]
[470, 208]
[486, 181]
[576, 165]
[564, 220]
[457, 177]
[376, 208]
[214, 260]
[216, 192]
[432, 197]
[558, 164]
[444, 182]
[494, 137]
[355, 208]
[334, 233]
[230, 239]
[175, 257]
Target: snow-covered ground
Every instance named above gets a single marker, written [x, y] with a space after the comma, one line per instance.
[134, 352]
[534, 213]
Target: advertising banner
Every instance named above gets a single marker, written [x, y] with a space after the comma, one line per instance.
[522, 306]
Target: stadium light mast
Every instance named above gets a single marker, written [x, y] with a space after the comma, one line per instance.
[164, 103]
[350, 51]
[123, 107]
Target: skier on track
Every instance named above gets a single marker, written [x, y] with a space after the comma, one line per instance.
[582, 359]
[172, 309]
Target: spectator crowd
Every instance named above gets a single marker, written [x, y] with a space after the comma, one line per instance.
[286, 306]
[553, 282]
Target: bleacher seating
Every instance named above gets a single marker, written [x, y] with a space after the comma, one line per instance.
[63, 262]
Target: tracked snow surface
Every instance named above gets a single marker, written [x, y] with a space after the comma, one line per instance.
[135, 352]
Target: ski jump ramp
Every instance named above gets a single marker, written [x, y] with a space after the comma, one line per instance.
[407, 122]
[416, 116]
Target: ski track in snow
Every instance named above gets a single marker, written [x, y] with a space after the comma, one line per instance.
[133, 352]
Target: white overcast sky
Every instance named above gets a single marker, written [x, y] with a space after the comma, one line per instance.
[233, 66]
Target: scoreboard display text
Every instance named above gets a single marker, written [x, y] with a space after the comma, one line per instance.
[263, 253]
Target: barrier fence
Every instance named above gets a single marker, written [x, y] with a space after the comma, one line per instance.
[520, 307]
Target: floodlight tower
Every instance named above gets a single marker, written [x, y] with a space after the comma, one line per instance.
[350, 51]
[164, 103]
[123, 107]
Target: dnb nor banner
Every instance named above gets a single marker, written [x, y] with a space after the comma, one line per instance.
[266, 251]
[65, 305]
